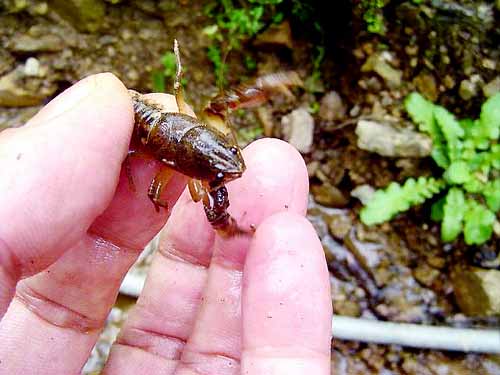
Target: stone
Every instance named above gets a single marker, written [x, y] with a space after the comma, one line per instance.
[469, 88]
[389, 141]
[44, 43]
[84, 15]
[339, 225]
[32, 67]
[363, 192]
[332, 107]
[298, 129]
[15, 91]
[378, 63]
[477, 291]
[6, 61]
[426, 85]
[329, 195]
[492, 87]
[276, 36]
[425, 274]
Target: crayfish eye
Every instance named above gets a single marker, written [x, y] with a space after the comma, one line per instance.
[220, 176]
[234, 150]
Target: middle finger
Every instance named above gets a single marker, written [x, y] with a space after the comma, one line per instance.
[187, 310]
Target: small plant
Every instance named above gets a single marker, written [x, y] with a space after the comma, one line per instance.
[313, 82]
[234, 25]
[373, 16]
[469, 153]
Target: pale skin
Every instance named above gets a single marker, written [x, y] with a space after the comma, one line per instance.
[71, 227]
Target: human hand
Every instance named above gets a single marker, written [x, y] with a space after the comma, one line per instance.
[70, 229]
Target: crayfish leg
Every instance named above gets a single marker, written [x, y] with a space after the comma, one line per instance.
[196, 190]
[157, 186]
[216, 203]
[179, 95]
[128, 167]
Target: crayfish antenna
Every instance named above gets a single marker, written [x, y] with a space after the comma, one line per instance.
[179, 96]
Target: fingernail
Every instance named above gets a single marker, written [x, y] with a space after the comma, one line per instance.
[67, 100]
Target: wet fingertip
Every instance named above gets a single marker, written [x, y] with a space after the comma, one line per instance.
[286, 278]
[282, 229]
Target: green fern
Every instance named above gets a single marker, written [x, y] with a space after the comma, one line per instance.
[385, 204]
[478, 223]
[453, 214]
[469, 153]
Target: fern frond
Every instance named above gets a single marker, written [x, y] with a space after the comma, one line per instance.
[453, 214]
[489, 120]
[385, 204]
[422, 113]
[452, 132]
[491, 193]
[478, 221]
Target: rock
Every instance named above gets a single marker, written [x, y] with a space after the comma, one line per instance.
[298, 129]
[386, 140]
[339, 225]
[363, 192]
[467, 90]
[15, 91]
[469, 87]
[33, 7]
[32, 67]
[378, 63]
[328, 195]
[425, 275]
[332, 107]
[369, 255]
[84, 15]
[276, 36]
[426, 85]
[6, 61]
[477, 291]
[492, 87]
[44, 43]
[147, 6]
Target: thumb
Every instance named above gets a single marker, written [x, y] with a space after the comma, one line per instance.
[59, 172]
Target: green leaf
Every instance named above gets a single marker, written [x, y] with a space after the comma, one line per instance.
[385, 204]
[437, 209]
[439, 155]
[458, 173]
[474, 185]
[448, 124]
[421, 111]
[453, 214]
[451, 130]
[491, 194]
[478, 223]
[489, 120]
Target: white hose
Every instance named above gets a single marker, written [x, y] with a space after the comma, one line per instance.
[416, 336]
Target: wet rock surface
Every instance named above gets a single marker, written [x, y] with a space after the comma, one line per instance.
[387, 140]
[298, 129]
[477, 291]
